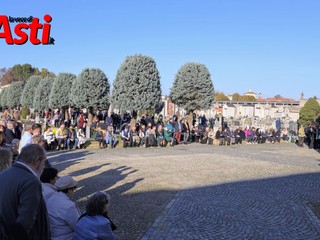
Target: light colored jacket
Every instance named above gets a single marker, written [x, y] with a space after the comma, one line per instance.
[48, 190]
[63, 215]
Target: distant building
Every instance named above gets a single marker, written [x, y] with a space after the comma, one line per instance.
[251, 93]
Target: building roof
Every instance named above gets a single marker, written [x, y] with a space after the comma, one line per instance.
[290, 100]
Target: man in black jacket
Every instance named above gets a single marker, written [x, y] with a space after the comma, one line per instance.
[22, 207]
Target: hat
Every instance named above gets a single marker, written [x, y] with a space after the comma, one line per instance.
[126, 127]
[66, 182]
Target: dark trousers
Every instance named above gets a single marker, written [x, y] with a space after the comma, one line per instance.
[127, 143]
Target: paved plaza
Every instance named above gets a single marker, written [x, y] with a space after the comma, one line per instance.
[202, 192]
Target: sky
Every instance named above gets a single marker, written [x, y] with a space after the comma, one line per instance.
[270, 46]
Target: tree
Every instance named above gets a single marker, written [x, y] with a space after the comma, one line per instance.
[21, 73]
[45, 73]
[220, 96]
[137, 85]
[244, 98]
[29, 90]
[4, 99]
[247, 98]
[60, 95]
[14, 94]
[193, 88]
[236, 97]
[7, 76]
[278, 96]
[309, 112]
[91, 90]
[42, 93]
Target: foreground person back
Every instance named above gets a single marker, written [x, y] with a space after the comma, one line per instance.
[22, 207]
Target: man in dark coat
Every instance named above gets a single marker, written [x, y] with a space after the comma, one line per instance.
[10, 132]
[22, 207]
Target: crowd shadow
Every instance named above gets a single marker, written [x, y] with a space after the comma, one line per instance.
[272, 208]
[64, 159]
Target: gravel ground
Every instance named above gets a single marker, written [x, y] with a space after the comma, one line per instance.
[142, 181]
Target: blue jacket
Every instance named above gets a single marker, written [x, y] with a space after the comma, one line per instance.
[93, 227]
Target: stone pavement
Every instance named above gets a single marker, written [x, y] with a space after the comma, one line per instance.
[262, 209]
[271, 208]
[203, 192]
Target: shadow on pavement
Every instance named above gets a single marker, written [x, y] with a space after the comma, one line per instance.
[274, 208]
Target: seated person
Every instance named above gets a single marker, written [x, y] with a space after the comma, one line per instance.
[100, 138]
[110, 138]
[233, 136]
[95, 223]
[135, 137]
[284, 135]
[48, 178]
[63, 212]
[276, 133]
[197, 133]
[126, 137]
[150, 137]
[204, 135]
[142, 137]
[61, 136]
[210, 136]
[168, 136]
[227, 136]
[49, 138]
[270, 137]
[160, 136]
[220, 136]
[72, 138]
[82, 137]
[192, 134]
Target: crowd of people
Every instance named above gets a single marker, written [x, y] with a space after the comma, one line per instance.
[145, 131]
[148, 132]
[35, 203]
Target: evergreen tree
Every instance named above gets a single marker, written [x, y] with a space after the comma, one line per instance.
[4, 98]
[42, 93]
[60, 95]
[29, 90]
[91, 90]
[137, 85]
[14, 92]
[193, 88]
[309, 112]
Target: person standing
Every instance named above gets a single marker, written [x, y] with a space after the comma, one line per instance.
[27, 135]
[23, 210]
